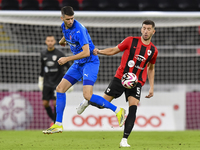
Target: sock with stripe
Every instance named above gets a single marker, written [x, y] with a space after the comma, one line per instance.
[130, 120]
[102, 102]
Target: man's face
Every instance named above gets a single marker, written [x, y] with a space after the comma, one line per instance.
[68, 20]
[50, 42]
[147, 32]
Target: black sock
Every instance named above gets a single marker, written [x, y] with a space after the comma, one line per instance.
[129, 123]
[54, 115]
[94, 104]
[49, 112]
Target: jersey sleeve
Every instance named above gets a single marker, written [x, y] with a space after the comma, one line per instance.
[153, 60]
[41, 65]
[82, 37]
[125, 44]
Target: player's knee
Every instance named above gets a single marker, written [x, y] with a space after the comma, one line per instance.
[133, 101]
[60, 89]
[45, 104]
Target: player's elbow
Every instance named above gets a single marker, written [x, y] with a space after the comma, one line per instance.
[151, 66]
[87, 54]
[86, 50]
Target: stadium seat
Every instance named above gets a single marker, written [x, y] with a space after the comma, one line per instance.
[198, 3]
[89, 5]
[148, 5]
[188, 5]
[50, 5]
[72, 3]
[9, 5]
[30, 5]
[127, 5]
[107, 5]
[167, 5]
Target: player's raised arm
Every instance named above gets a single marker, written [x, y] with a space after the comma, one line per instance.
[109, 51]
[62, 42]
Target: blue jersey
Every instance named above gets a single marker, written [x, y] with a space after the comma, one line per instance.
[77, 36]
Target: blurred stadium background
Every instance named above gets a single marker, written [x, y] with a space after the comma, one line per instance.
[176, 103]
[103, 5]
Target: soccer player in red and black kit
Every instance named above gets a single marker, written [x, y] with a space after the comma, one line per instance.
[139, 57]
[51, 74]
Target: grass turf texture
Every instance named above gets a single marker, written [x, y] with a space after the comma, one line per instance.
[31, 140]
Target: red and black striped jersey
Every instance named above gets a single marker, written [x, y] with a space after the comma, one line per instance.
[136, 57]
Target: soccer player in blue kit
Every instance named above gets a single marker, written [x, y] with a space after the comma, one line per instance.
[86, 66]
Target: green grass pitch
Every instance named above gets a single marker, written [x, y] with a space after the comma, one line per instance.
[99, 140]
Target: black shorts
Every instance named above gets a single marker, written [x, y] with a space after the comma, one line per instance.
[116, 89]
[48, 93]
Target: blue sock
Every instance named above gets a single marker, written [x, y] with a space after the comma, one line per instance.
[102, 102]
[60, 106]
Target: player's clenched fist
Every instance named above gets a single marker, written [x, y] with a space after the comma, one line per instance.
[62, 60]
[95, 51]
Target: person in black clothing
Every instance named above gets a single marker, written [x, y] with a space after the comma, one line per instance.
[51, 74]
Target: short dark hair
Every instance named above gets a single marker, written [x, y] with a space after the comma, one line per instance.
[67, 10]
[149, 22]
[50, 35]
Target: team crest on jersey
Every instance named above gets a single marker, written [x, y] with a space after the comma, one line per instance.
[108, 90]
[131, 63]
[149, 52]
[54, 57]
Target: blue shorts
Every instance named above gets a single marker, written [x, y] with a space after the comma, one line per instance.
[87, 71]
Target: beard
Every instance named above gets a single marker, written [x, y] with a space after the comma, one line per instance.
[51, 47]
[147, 38]
[69, 25]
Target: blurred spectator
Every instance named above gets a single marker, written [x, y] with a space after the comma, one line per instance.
[72, 3]
[50, 5]
[9, 5]
[30, 5]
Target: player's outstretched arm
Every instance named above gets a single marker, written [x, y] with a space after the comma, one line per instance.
[109, 51]
[150, 73]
